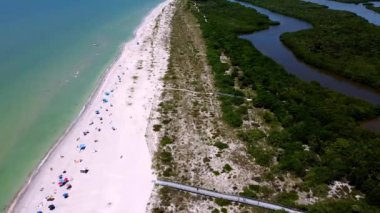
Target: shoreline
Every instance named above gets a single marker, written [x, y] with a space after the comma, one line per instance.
[90, 99]
[89, 105]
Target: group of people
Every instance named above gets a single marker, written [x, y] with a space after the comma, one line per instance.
[64, 183]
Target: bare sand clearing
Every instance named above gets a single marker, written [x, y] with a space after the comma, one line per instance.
[112, 128]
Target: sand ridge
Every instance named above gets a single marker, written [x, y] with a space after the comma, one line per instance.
[112, 129]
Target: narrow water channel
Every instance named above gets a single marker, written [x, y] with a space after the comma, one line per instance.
[268, 42]
[359, 9]
[376, 3]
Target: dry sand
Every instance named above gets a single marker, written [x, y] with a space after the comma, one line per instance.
[116, 154]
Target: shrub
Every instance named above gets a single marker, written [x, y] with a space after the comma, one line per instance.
[165, 141]
[221, 145]
[166, 157]
[157, 127]
[227, 168]
[222, 202]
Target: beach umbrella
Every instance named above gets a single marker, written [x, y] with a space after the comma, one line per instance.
[39, 211]
[105, 100]
[84, 171]
[51, 207]
[69, 186]
[82, 146]
[97, 112]
[65, 195]
[50, 198]
[107, 93]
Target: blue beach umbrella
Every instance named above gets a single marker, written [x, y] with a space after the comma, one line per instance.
[65, 195]
[97, 112]
[105, 100]
[82, 146]
[107, 93]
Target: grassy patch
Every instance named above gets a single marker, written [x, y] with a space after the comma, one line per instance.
[221, 145]
[157, 127]
[166, 140]
[222, 202]
[227, 168]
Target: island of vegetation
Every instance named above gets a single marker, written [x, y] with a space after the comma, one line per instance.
[371, 6]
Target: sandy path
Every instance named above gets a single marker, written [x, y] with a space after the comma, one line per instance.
[116, 154]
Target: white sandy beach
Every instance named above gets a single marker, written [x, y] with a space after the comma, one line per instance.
[116, 154]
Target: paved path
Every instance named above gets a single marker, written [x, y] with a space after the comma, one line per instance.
[234, 198]
[209, 93]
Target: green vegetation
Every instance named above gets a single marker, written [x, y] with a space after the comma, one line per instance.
[247, 192]
[166, 157]
[157, 127]
[222, 202]
[256, 191]
[252, 135]
[227, 168]
[263, 155]
[215, 211]
[341, 206]
[323, 120]
[287, 198]
[166, 140]
[221, 145]
[370, 6]
[355, 55]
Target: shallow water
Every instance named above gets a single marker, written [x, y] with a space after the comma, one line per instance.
[52, 53]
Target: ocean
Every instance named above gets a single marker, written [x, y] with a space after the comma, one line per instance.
[52, 55]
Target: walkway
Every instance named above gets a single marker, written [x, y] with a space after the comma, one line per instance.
[209, 93]
[233, 198]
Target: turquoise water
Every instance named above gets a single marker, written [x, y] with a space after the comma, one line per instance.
[52, 53]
